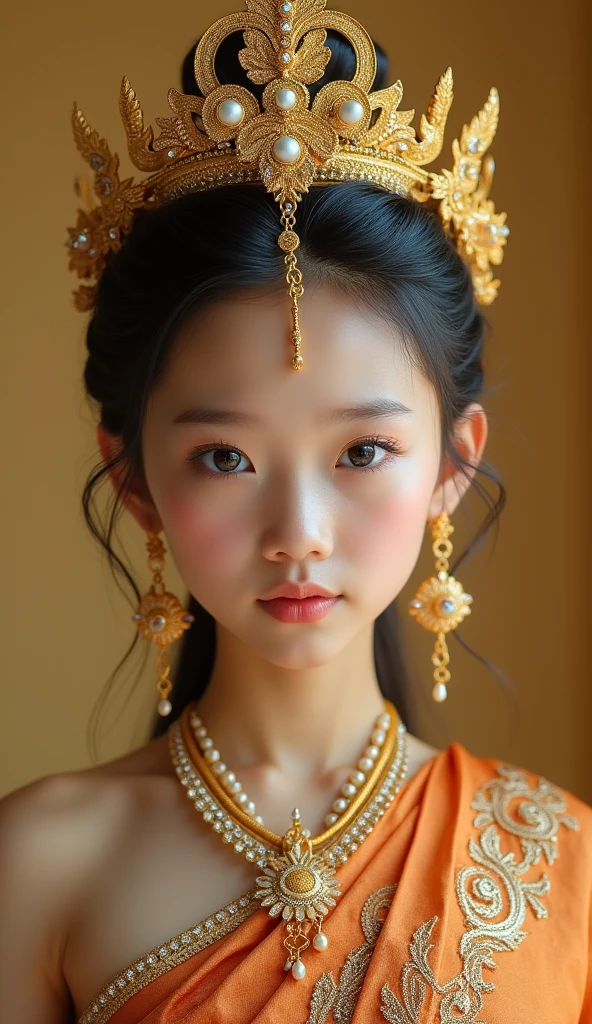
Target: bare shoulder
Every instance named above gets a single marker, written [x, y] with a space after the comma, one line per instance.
[54, 833]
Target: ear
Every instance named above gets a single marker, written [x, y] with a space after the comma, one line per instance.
[136, 496]
[470, 435]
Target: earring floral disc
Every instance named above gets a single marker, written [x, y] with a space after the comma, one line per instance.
[161, 618]
[440, 604]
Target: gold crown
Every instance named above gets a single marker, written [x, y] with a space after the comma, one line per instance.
[348, 132]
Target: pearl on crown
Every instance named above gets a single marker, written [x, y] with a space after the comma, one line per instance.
[285, 98]
[230, 112]
[351, 112]
[286, 149]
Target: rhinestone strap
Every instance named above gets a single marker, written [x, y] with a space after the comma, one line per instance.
[160, 959]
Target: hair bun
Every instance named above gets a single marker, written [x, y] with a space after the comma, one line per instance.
[230, 71]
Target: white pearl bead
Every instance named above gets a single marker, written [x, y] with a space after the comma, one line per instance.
[365, 764]
[439, 692]
[235, 787]
[340, 804]
[286, 149]
[331, 819]
[320, 941]
[250, 807]
[298, 969]
[196, 721]
[212, 755]
[285, 98]
[228, 778]
[378, 737]
[206, 743]
[241, 798]
[372, 752]
[202, 731]
[383, 721]
[348, 789]
[259, 819]
[164, 707]
[351, 111]
[230, 112]
[219, 768]
[357, 778]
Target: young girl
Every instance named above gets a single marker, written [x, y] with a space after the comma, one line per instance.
[284, 849]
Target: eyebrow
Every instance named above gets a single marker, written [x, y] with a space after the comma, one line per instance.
[379, 407]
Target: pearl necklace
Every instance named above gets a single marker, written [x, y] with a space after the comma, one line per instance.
[348, 790]
[296, 882]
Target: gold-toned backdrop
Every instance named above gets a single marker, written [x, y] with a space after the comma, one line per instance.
[64, 623]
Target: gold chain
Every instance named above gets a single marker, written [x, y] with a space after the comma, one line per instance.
[289, 242]
[375, 777]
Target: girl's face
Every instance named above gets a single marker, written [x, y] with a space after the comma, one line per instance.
[262, 474]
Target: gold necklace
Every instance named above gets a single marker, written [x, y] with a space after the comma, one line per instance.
[297, 882]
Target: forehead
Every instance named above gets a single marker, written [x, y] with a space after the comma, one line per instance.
[236, 353]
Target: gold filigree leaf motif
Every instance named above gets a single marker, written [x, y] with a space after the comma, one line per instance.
[289, 144]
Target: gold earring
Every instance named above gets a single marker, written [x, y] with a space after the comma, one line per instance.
[441, 604]
[161, 618]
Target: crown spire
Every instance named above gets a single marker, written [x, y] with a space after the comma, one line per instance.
[289, 143]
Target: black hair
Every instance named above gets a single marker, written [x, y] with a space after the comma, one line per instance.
[391, 253]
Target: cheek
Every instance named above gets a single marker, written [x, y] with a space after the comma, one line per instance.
[391, 531]
[200, 541]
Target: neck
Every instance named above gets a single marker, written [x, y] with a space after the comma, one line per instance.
[303, 722]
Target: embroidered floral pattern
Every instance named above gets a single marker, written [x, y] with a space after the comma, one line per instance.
[493, 886]
[341, 998]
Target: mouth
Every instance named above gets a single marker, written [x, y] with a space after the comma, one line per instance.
[303, 609]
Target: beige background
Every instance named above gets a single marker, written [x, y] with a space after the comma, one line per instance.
[64, 623]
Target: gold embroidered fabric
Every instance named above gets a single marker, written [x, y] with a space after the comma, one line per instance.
[494, 892]
[168, 954]
[492, 885]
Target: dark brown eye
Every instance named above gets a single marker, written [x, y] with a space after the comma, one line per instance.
[225, 459]
[362, 456]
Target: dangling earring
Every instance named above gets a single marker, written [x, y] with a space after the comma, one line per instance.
[161, 618]
[441, 604]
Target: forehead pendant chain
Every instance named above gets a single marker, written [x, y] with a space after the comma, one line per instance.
[289, 241]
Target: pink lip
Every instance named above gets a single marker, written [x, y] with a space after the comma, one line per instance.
[307, 609]
[298, 591]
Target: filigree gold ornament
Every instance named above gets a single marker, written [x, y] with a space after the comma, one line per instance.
[161, 619]
[441, 604]
[298, 885]
[290, 144]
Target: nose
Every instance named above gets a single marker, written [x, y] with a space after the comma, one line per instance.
[298, 523]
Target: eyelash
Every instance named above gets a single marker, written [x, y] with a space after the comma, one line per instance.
[393, 449]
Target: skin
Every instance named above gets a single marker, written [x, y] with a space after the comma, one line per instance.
[298, 508]
[100, 865]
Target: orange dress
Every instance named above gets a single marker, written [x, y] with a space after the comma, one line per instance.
[470, 901]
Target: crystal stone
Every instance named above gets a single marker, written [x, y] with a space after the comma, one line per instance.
[157, 623]
[286, 26]
[447, 606]
[286, 58]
